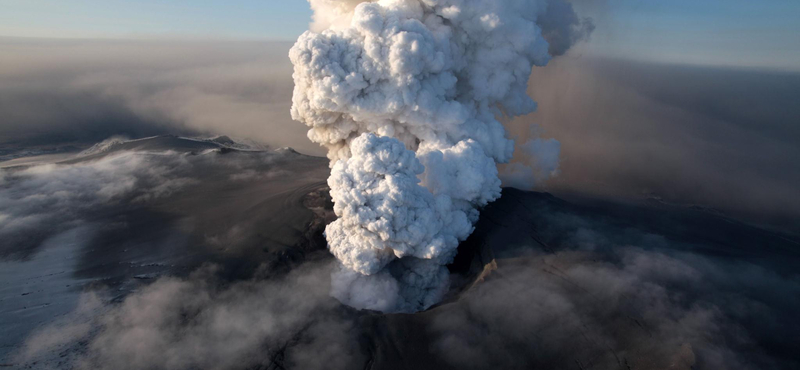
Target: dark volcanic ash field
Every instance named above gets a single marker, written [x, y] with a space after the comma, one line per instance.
[174, 253]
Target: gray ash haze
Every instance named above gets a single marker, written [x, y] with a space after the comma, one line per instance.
[716, 137]
[152, 216]
[79, 92]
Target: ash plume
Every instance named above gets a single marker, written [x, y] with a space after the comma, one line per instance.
[406, 96]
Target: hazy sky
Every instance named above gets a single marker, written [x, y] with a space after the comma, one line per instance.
[741, 33]
[260, 19]
[737, 33]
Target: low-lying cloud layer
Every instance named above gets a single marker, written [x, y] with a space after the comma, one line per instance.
[592, 287]
[204, 322]
[43, 200]
[646, 310]
[609, 297]
[575, 287]
[40, 201]
[118, 218]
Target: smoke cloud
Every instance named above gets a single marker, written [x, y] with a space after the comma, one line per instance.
[535, 161]
[406, 95]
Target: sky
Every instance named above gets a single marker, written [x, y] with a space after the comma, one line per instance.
[252, 19]
[735, 33]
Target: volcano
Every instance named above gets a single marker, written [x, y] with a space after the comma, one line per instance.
[541, 282]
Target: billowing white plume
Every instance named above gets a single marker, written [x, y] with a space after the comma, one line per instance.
[332, 13]
[406, 96]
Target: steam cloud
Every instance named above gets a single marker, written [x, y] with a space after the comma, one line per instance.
[406, 96]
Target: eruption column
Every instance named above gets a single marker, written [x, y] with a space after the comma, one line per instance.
[406, 95]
